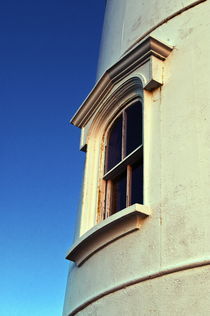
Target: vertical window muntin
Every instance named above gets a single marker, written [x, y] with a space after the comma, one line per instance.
[131, 159]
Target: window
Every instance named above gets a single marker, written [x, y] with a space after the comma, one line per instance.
[124, 161]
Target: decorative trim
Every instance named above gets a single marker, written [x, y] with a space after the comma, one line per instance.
[150, 49]
[107, 231]
[197, 263]
[130, 91]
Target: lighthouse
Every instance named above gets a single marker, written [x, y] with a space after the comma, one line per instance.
[142, 243]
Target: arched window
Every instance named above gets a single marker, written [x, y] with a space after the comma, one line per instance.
[124, 161]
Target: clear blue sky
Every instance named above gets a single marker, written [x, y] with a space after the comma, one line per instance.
[48, 60]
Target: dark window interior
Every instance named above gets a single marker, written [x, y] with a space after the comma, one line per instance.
[134, 127]
[137, 183]
[115, 144]
[119, 193]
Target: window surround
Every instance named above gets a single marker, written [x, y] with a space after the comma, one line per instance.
[141, 69]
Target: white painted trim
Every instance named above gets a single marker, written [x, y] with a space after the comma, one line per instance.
[122, 95]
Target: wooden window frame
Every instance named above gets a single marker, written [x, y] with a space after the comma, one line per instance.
[125, 164]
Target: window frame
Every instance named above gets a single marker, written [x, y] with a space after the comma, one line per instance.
[126, 163]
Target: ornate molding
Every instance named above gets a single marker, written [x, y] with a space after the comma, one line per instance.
[107, 231]
[126, 93]
[149, 55]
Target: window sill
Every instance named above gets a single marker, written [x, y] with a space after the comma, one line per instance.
[104, 233]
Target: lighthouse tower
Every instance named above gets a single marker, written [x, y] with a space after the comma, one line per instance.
[142, 244]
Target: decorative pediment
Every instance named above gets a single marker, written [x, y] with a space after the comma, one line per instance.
[147, 58]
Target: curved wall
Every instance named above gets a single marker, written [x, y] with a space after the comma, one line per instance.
[170, 295]
[126, 22]
[127, 277]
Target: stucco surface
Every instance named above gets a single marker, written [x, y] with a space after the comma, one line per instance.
[127, 21]
[177, 182]
[185, 134]
[184, 293]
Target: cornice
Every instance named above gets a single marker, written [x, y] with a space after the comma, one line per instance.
[135, 58]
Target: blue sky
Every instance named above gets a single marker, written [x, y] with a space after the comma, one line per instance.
[48, 60]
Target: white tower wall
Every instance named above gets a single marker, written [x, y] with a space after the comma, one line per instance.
[164, 267]
[127, 22]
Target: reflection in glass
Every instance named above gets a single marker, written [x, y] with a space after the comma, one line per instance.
[137, 183]
[115, 144]
[134, 127]
[119, 193]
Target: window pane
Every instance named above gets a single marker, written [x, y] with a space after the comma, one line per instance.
[119, 193]
[137, 183]
[134, 127]
[115, 144]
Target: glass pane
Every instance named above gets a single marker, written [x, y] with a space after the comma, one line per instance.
[137, 183]
[119, 193]
[134, 127]
[115, 144]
